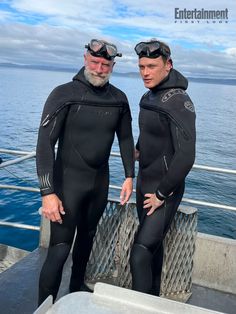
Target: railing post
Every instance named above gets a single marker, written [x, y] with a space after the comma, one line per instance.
[44, 232]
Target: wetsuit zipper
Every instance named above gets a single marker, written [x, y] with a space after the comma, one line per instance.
[187, 136]
[165, 162]
[48, 118]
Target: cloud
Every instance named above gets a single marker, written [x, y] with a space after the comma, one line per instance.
[49, 32]
[40, 45]
[231, 52]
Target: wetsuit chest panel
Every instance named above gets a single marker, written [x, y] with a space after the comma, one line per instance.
[154, 137]
[91, 132]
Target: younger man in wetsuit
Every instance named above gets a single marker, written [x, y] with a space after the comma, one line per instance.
[166, 153]
[83, 116]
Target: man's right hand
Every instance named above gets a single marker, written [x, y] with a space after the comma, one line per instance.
[52, 208]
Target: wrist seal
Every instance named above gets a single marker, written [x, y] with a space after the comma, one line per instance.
[160, 196]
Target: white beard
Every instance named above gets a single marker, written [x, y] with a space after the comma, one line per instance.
[95, 79]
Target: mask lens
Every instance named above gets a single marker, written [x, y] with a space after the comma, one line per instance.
[96, 45]
[149, 49]
[140, 47]
[153, 46]
[111, 50]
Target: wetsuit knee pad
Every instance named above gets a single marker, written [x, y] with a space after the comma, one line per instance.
[57, 255]
[140, 256]
[59, 252]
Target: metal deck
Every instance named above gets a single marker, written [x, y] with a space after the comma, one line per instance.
[19, 285]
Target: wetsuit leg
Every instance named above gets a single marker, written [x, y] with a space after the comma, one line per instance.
[157, 269]
[58, 251]
[86, 228]
[147, 251]
[61, 239]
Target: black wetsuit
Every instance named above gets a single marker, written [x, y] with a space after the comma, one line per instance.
[167, 152]
[85, 119]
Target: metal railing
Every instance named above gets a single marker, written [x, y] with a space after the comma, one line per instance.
[25, 155]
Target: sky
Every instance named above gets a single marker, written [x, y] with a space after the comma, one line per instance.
[54, 32]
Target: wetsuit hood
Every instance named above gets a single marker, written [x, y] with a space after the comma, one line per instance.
[170, 98]
[174, 80]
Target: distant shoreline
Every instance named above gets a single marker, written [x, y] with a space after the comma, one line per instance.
[127, 74]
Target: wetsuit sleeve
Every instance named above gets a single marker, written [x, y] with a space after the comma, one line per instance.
[126, 142]
[45, 151]
[183, 134]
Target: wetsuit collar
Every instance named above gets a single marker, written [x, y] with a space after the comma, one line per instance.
[173, 80]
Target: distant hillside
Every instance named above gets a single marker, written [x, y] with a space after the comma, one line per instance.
[127, 74]
[212, 80]
[38, 67]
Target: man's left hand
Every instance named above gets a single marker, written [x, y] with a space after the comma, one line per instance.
[127, 189]
[153, 202]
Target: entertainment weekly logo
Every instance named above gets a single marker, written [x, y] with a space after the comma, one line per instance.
[201, 16]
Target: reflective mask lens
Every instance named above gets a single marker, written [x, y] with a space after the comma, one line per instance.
[102, 49]
[150, 49]
[95, 45]
[111, 50]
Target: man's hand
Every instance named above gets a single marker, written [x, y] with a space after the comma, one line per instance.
[153, 202]
[127, 189]
[52, 208]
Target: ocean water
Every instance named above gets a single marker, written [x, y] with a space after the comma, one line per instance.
[22, 96]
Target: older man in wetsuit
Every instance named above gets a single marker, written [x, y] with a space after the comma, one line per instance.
[83, 116]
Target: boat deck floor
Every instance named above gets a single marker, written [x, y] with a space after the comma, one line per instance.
[19, 285]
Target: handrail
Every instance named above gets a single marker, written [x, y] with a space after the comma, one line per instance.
[201, 167]
[114, 154]
[20, 188]
[17, 160]
[115, 187]
[214, 205]
[18, 225]
[14, 152]
[191, 201]
[28, 155]
[214, 169]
